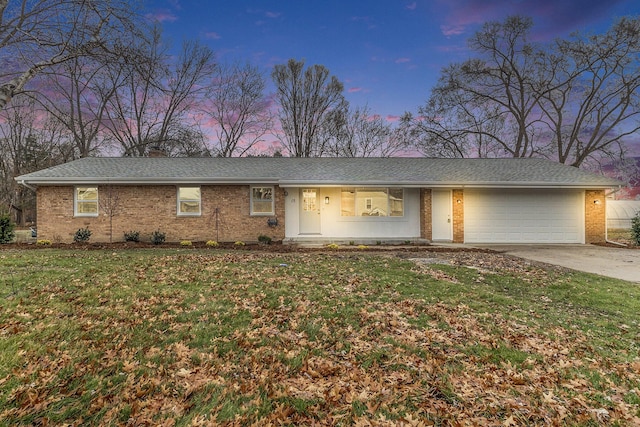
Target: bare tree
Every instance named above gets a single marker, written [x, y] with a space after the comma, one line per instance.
[78, 96]
[109, 202]
[38, 35]
[306, 97]
[568, 100]
[488, 103]
[596, 101]
[239, 108]
[29, 140]
[157, 101]
[360, 133]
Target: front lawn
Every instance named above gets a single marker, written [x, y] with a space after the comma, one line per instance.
[201, 337]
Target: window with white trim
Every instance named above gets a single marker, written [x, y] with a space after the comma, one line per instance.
[372, 202]
[85, 201]
[189, 201]
[262, 201]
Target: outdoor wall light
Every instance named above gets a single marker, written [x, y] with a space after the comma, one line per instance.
[458, 201]
[596, 202]
[326, 200]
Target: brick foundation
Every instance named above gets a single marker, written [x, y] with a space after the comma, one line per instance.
[224, 215]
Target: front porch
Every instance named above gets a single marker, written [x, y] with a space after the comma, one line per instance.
[355, 215]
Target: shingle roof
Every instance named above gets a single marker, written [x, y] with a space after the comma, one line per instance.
[321, 171]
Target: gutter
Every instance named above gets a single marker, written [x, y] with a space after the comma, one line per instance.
[30, 187]
[446, 185]
[154, 181]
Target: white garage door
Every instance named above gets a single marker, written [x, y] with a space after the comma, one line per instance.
[523, 216]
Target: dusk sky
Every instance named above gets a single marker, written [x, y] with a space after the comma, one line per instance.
[388, 53]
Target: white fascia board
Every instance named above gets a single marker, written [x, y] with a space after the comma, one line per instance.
[293, 184]
[150, 181]
[449, 185]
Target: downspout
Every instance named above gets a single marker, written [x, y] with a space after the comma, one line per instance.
[30, 187]
[606, 221]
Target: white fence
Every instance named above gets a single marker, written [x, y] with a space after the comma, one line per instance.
[620, 212]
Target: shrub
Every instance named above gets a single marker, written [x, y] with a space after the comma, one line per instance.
[158, 237]
[265, 240]
[212, 243]
[6, 229]
[363, 247]
[239, 243]
[43, 242]
[82, 235]
[333, 246]
[132, 236]
[635, 228]
[186, 243]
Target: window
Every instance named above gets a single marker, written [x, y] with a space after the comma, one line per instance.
[372, 202]
[86, 201]
[309, 200]
[189, 201]
[262, 201]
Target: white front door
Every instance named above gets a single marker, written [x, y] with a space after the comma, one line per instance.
[442, 229]
[309, 211]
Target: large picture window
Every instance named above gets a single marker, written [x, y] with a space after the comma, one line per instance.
[86, 201]
[372, 202]
[262, 201]
[189, 201]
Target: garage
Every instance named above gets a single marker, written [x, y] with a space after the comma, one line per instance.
[524, 216]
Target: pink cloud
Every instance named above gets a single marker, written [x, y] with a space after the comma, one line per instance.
[212, 35]
[273, 14]
[411, 6]
[551, 17]
[162, 16]
[354, 89]
[464, 13]
[392, 118]
[402, 60]
[452, 30]
[451, 48]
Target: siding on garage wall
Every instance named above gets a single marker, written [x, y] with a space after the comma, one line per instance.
[224, 214]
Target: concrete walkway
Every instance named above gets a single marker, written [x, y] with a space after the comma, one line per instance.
[619, 263]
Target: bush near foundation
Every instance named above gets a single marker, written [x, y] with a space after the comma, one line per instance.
[82, 235]
[132, 236]
[635, 228]
[7, 228]
[158, 237]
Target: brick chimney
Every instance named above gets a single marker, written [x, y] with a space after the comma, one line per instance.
[155, 151]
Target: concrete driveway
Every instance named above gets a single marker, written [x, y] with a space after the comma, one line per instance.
[619, 263]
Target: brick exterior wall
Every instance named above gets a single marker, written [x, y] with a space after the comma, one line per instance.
[595, 221]
[458, 216]
[426, 219]
[224, 214]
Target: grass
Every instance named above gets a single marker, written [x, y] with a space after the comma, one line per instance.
[190, 337]
[621, 235]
